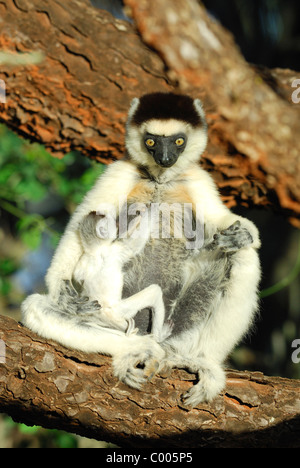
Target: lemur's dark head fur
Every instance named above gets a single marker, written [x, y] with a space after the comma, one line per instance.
[166, 132]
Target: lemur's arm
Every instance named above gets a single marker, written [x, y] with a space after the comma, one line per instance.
[213, 213]
[111, 187]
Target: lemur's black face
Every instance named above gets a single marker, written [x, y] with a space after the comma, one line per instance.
[165, 149]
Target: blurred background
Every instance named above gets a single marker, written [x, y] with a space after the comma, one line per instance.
[38, 193]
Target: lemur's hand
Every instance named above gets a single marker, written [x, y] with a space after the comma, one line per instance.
[232, 239]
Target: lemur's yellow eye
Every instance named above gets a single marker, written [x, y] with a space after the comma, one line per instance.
[179, 141]
[150, 142]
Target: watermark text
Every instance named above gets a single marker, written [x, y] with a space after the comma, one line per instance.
[296, 354]
[152, 220]
[2, 92]
[296, 93]
[2, 352]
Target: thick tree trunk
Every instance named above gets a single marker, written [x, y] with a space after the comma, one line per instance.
[46, 384]
[78, 95]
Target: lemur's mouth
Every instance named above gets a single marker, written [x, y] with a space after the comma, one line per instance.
[166, 164]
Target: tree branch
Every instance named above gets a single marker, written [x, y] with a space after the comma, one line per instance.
[46, 384]
[77, 97]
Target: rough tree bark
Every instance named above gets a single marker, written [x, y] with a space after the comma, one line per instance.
[78, 96]
[41, 383]
[77, 99]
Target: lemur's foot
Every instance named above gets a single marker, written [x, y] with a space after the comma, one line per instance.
[139, 363]
[71, 300]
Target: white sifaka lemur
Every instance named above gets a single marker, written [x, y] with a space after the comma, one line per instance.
[208, 272]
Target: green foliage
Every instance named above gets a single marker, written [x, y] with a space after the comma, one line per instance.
[7, 267]
[38, 436]
[53, 437]
[28, 173]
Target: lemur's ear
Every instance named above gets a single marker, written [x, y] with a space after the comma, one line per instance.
[199, 108]
[132, 109]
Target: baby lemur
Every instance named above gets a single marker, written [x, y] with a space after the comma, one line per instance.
[99, 272]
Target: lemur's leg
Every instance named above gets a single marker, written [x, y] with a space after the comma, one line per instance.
[222, 307]
[150, 297]
[85, 331]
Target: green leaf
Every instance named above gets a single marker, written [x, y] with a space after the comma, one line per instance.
[5, 286]
[29, 220]
[30, 229]
[28, 429]
[32, 238]
[31, 189]
[65, 440]
[7, 266]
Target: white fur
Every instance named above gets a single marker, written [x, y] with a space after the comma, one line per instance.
[215, 214]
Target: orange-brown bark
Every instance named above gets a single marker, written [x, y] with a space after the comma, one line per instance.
[77, 97]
